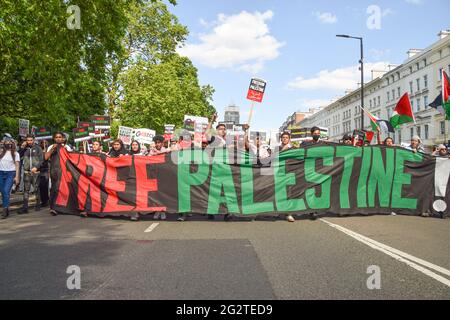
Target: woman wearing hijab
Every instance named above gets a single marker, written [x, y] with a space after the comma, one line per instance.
[9, 172]
[135, 149]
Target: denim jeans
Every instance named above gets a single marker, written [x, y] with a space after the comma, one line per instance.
[6, 183]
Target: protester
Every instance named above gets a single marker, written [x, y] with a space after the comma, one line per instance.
[173, 145]
[389, 141]
[9, 172]
[434, 150]
[21, 151]
[52, 151]
[118, 149]
[218, 140]
[256, 149]
[285, 142]
[44, 177]
[416, 145]
[315, 133]
[159, 146]
[347, 139]
[135, 148]
[441, 151]
[97, 147]
[33, 158]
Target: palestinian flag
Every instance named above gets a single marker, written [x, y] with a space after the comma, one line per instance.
[403, 112]
[369, 136]
[376, 123]
[442, 102]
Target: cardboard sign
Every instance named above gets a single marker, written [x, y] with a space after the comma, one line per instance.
[81, 134]
[89, 125]
[190, 121]
[43, 133]
[125, 134]
[101, 122]
[144, 136]
[256, 90]
[168, 131]
[24, 127]
[104, 134]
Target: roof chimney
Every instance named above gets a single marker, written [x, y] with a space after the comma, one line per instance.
[443, 33]
[413, 52]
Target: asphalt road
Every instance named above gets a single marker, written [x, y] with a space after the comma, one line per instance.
[201, 259]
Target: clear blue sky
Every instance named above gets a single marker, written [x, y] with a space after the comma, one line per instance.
[292, 45]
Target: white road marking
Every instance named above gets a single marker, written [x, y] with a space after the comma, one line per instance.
[397, 254]
[152, 226]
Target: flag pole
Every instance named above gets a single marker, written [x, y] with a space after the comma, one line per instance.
[250, 113]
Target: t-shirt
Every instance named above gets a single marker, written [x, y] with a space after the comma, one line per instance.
[217, 142]
[65, 146]
[263, 153]
[7, 163]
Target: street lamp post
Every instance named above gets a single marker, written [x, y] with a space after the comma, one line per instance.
[361, 67]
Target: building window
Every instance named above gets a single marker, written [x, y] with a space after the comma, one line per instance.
[417, 66]
[410, 70]
[388, 96]
[411, 132]
[425, 102]
[425, 62]
[418, 84]
[379, 102]
[425, 81]
[442, 127]
[410, 87]
[426, 132]
[418, 131]
[412, 105]
[370, 103]
[440, 74]
[418, 104]
[398, 92]
[393, 94]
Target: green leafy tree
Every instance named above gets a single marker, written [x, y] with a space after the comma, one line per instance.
[49, 73]
[158, 94]
[152, 35]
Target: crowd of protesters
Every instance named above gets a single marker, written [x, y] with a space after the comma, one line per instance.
[27, 166]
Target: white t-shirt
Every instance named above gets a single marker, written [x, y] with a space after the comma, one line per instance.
[7, 163]
[65, 146]
[263, 153]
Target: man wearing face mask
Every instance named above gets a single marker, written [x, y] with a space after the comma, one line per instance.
[315, 133]
[33, 157]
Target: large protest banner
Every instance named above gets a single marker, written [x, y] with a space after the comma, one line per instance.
[322, 178]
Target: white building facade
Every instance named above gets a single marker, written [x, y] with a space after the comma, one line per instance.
[419, 75]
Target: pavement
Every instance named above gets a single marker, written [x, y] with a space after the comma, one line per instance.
[330, 258]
